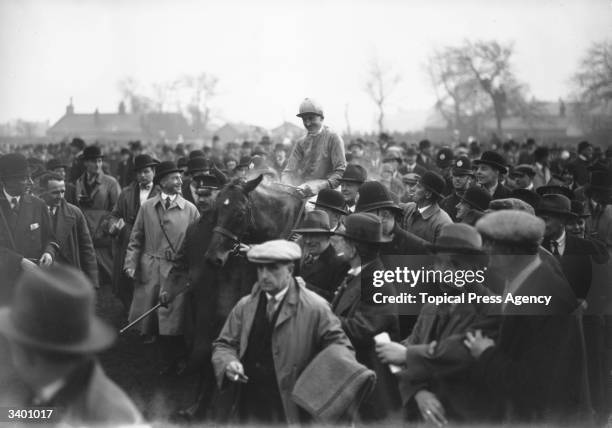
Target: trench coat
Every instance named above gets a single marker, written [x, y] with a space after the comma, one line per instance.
[304, 327]
[126, 208]
[426, 225]
[97, 208]
[151, 255]
[75, 244]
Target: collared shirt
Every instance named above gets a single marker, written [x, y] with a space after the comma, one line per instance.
[423, 208]
[530, 187]
[144, 193]
[515, 283]
[47, 392]
[165, 196]
[492, 189]
[278, 297]
[561, 243]
[10, 198]
[52, 210]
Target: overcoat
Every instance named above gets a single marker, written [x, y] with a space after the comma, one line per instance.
[75, 244]
[151, 254]
[96, 206]
[427, 224]
[305, 326]
[325, 274]
[126, 208]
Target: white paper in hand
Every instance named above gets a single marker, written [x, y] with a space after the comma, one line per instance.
[384, 338]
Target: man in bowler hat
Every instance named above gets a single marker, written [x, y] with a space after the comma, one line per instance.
[489, 168]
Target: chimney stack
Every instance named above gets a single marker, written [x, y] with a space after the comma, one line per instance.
[69, 108]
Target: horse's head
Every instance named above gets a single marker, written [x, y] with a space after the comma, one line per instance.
[234, 217]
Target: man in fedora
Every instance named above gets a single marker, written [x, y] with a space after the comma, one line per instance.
[424, 217]
[472, 205]
[97, 194]
[56, 166]
[320, 266]
[77, 145]
[539, 345]
[122, 220]
[462, 177]
[271, 336]
[410, 164]
[362, 319]
[25, 224]
[69, 228]
[157, 235]
[195, 166]
[489, 169]
[54, 335]
[353, 177]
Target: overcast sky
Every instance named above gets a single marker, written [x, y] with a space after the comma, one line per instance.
[270, 54]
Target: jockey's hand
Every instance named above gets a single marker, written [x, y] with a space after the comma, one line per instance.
[131, 273]
[305, 190]
[46, 260]
[430, 407]
[165, 298]
[235, 372]
[477, 343]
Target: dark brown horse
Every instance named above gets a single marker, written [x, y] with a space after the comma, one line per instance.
[250, 213]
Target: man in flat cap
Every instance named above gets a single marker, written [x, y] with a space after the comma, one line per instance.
[56, 166]
[54, 335]
[272, 335]
[25, 224]
[537, 365]
[122, 220]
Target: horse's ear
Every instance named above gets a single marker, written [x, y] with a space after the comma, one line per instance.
[252, 184]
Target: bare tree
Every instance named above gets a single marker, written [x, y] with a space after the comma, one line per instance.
[380, 83]
[199, 90]
[132, 91]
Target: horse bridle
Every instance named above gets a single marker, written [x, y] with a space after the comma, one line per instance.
[236, 243]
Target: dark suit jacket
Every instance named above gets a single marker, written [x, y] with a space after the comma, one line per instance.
[75, 244]
[362, 319]
[449, 204]
[325, 274]
[29, 232]
[537, 365]
[501, 192]
[581, 171]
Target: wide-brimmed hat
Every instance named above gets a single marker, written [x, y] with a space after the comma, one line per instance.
[363, 227]
[144, 161]
[14, 165]
[315, 221]
[555, 190]
[373, 196]
[557, 205]
[54, 310]
[493, 159]
[244, 162]
[433, 182]
[462, 166]
[411, 178]
[91, 152]
[579, 209]
[55, 163]
[354, 173]
[163, 169]
[331, 199]
[458, 238]
[477, 198]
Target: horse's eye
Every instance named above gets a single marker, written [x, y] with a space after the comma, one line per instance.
[226, 202]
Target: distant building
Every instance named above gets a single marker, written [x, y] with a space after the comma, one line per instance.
[287, 130]
[121, 126]
[238, 132]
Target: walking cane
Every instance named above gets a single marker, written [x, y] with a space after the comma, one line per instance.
[150, 311]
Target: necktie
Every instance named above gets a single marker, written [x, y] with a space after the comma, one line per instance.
[270, 308]
[554, 248]
[15, 204]
[167, 204]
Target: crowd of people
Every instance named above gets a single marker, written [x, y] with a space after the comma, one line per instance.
[308, 341]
